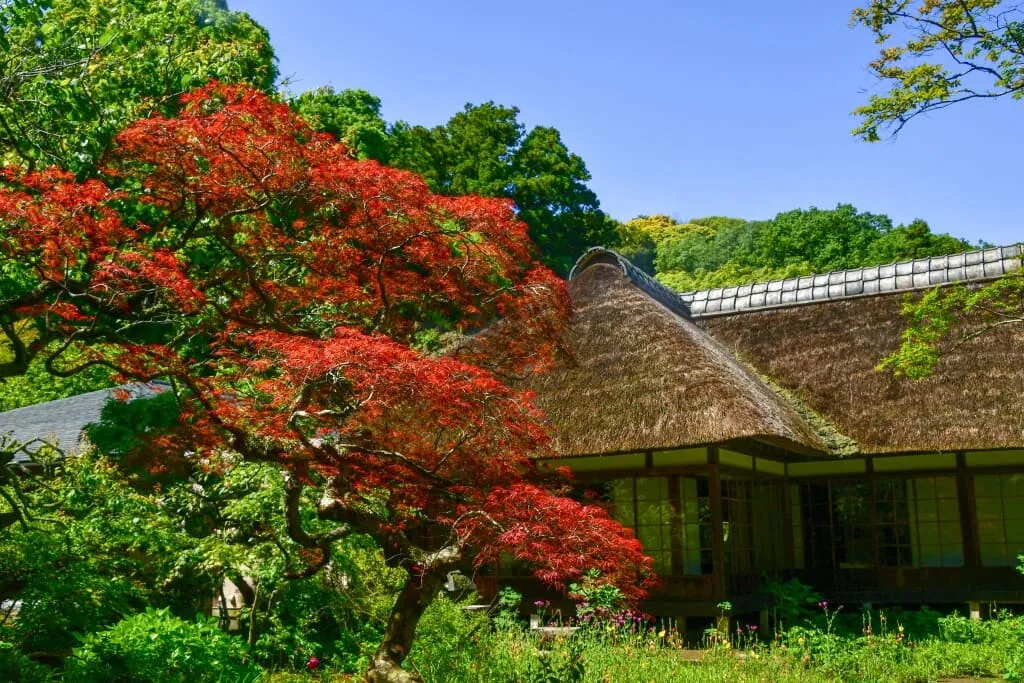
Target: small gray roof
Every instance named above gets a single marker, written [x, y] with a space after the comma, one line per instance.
[905, 276]
[62, 422]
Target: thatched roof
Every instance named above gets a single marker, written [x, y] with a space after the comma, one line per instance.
[825, 353]
[639, 376]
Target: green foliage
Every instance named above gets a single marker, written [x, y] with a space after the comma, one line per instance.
[719, 251]
[563, 664]
[123, 425]
[18, 668]
[77, 71]
[485, 150]
[352, 116]
[37, 385]
[156, 647]
[95, 551]
[446, 638]
[727, 275]
[596, 599]
[482, 150]
[793, 601]
[937, 53]
[933, 315]
[827, 239]
[506, 616]
[879, 649]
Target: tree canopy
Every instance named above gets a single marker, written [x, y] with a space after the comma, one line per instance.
[937, 53]
[351, 116]
[718, 251]
[75, 72]
[278, 283]
[482, 150]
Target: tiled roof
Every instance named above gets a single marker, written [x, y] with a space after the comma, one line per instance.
[921, 273]
[61, 422]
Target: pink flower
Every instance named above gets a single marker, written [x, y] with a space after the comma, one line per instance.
[313, 663]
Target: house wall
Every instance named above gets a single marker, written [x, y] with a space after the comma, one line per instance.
[927, 528]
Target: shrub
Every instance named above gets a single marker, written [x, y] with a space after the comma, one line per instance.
[17, 668]
[156, 647]
[446, 639]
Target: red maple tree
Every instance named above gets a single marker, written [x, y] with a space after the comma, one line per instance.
[281, 285]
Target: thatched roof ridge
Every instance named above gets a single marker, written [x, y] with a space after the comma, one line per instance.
[826, 354]
[904, 276]
[654, 289]
[639, 375]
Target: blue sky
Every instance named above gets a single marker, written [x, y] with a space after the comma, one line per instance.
[688, 108]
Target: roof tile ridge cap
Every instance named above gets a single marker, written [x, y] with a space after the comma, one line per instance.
[647, 284]
[1015, 256]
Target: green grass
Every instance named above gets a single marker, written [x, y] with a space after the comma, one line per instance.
[958, 649]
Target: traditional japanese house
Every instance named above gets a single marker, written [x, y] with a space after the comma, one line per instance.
[744, 432]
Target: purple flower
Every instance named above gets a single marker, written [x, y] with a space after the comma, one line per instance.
[823, 604]
[541, 603]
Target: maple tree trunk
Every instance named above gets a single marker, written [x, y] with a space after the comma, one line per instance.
[416, 596]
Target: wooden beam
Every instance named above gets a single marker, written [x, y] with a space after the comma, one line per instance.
[675, 526]
[788, 546]
[876, 540]
[968, 517]
[719, 585]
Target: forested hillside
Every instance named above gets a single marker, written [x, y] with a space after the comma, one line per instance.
[718, 251]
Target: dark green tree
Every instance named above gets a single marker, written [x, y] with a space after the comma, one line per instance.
[828, 239]
[352, 116]
[485, 150]
[915, 240]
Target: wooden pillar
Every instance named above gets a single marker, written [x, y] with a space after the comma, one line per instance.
[968, 519]
[787, 519]
[719, 588]
[876, 541]
[675, 525]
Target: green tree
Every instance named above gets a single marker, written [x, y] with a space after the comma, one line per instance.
[828, 239]
[720, 251]
[74, 72]
[937, 53]
[352, 116]
[933, 318]
[915, 240]
[485, 150]
[933, 55]
[93, 549]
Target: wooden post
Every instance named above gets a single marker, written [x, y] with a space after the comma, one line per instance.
[876, 541]
[718, 582]
[675, 525]
[968, 519]
[787, 519]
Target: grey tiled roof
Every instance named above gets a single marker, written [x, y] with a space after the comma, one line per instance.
[61, 422]
[921, 273]
[905, 276]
